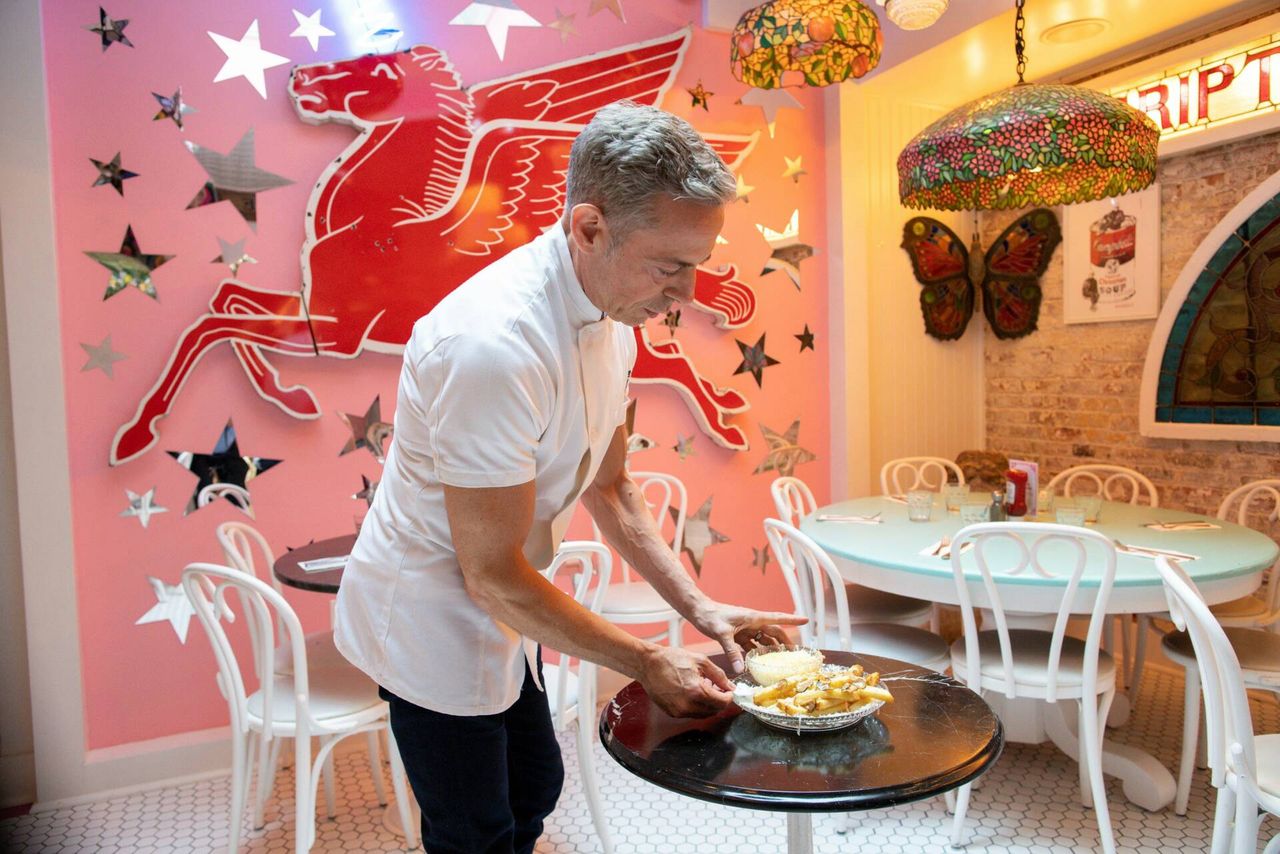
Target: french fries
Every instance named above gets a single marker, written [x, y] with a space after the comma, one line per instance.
[827, 693]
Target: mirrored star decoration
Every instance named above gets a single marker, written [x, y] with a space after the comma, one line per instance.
[635, 441]
[307, 543]
[110, 29]
[794, 168]
[806, 339]
[172, 107]
[743, 190]
[614, 6]
[497, 17]
[246, 58]
[224, 473]
[142, 507]
[112, 173]
[671, 320]
[101, 357]
[368, 431]
[699, 535]
[700, 97]
[310, 28]
[760, 557]
[233, 255]
[368, 490]
[172, 605]
[684, 446]
[234, 178]
[129, 267]
[788, 249]
[770, 101]
[563, 24]
[755, 360]
[784, 451]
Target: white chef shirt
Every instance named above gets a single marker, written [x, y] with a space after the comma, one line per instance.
[513, 377]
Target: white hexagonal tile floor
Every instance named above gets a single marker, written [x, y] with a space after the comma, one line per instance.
[1027, 804]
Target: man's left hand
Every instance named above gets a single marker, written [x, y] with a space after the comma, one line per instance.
[737, 629]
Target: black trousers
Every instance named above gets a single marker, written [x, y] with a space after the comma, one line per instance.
[484, 783]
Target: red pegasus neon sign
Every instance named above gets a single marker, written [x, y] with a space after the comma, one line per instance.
[441, 181]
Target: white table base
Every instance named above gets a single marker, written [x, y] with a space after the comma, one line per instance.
[799, 833]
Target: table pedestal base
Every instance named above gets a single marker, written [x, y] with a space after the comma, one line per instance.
[799, 833]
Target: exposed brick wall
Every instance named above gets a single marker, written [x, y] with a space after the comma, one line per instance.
[1068, 395]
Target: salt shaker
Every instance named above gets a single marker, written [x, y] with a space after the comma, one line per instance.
[996, 513]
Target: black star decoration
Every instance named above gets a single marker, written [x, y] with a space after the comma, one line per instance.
[672, 321]
[698, 534]
[172, 107]
[225, 473]
[112, 173]
[369, 431]
[760, 557]
[806, 339]
[755, 360]
[111, 30]
[370, 489]
[700, 96]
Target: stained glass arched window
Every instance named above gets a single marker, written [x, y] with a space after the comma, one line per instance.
[1213, 366]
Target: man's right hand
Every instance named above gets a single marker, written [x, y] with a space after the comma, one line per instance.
[684, 684]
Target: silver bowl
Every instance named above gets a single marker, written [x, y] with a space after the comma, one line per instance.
[745, 688]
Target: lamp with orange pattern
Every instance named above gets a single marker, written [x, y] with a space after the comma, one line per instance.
[804, 43]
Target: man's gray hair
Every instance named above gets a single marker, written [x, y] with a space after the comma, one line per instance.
[629, 154]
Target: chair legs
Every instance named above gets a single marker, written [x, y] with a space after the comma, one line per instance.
[240, 747]
[403, 797]
[675, 637]
[587, 768]
[957, 824]
[1093, 722]
[1245, 835]
[1139, 658]
[304, 796]
[268, 751]
[1190, 738]
[375, 766]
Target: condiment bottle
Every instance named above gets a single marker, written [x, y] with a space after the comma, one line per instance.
[996, 513]
[1015, 493]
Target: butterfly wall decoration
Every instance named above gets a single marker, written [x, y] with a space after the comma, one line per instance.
[1008, 274]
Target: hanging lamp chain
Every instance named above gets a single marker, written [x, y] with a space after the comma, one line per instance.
[1020, 40]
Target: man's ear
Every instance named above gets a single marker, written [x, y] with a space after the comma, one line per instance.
[588, 229]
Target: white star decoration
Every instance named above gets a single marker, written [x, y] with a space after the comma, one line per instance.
[143, 506]
[173, 605]
[310, 28]
[101, 357]
[770, 101]
[246, 58]
[496, 16]
[699, 535]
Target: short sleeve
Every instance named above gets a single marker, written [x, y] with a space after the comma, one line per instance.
[488, 404]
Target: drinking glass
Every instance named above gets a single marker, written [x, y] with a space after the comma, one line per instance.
[919, 505]
[973, 512]
[1068, 512]
[1044, 502]
[954, 495]
[1092, 505]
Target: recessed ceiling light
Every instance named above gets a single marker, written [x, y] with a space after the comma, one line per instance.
[1075, 31]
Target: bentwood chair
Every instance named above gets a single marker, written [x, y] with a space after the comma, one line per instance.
[904, 474]
[1036, 663]
[572, 695]
[330, 704]
[1245, 767]
[635, 602]
[794, 500]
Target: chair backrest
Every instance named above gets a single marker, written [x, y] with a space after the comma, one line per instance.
[591, 564]
[1257, 501]
[792, 498]
[238, 541]
[1113, 483]
[1019, 552]
[1228, 723]
[907, 473]
[667, 498]
[811, 576]
[207, 585]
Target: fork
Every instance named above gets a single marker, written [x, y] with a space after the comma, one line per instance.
[944, 545]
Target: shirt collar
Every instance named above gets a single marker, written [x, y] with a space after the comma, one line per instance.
[582, 311]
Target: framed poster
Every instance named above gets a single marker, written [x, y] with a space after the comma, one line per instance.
[1111, 258]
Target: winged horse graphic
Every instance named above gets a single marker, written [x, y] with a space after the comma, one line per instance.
[441, 181]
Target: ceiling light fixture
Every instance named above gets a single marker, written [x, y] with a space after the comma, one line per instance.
[914, 14]
[804, 43]
[1075, 31]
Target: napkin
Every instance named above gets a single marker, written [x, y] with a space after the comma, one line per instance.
[835, 517]
[938, 550]
[321, 564]
[1192, 525]
[1147, 551]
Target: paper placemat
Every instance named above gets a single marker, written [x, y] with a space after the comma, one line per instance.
[322, 564]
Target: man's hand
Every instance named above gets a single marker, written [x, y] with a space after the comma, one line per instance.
[684, 684]
[737, 629]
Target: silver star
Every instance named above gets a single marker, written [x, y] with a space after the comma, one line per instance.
[699, 535]
[101, 357]
[369, 431]
[760, 557]
[173, 605]
[638, 442]
[310, 28]
[111, 172]
[770, 101]
[130, 267]
[235, 178]
[788, 249]
[111, 30]
[370, 489]
[172, 107]
[755, 360]
[497, 17]
[784, 454]
[684, 446]
[143, 506]
[246, 58]
[233, 255]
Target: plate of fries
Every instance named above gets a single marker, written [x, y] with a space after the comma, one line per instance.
[831, 698]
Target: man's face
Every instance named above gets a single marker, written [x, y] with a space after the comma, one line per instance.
[653, 267]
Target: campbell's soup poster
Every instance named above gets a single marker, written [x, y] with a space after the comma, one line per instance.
[1112, 258]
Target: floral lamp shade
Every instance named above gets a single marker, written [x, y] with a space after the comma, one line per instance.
[804, 43]
[1032, 144]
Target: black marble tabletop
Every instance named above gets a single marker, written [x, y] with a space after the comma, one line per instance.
[286, 567]
[935, 735]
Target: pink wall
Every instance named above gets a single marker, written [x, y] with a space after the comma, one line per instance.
[139, 681]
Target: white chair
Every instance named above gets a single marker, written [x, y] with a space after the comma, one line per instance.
[242, 545]
[572, 696]
[904, 474]
[1113, 483]
[811, 577]
[635, 602]
[1035, 663]
[329, 704]
[794, 500]
[1259, 498]
[1245, 767]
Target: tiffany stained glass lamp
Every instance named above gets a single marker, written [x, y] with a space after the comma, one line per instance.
[804, 43]
[1031, 144]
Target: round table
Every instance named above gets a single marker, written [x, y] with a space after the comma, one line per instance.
[888, 556]
[935, 736]
[287, 567]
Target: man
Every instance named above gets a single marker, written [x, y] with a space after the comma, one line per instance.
[511, 407]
